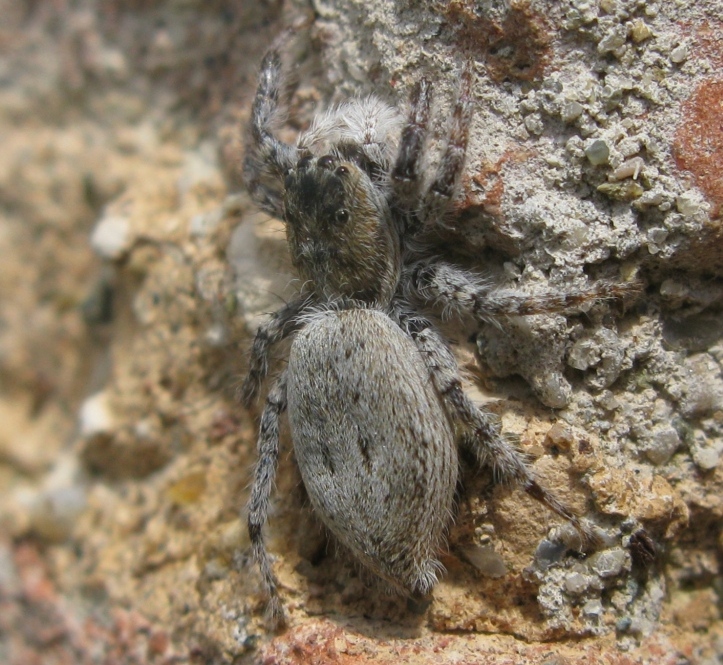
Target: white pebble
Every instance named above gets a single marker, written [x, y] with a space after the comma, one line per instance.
[664, 443]
[111, 237]
[705, 457]
[95, 415]
[575, 584]
[679, 54]
[688, 203]
[592, 608]
[628, 169]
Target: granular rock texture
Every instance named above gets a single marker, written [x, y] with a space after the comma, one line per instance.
[135, 271]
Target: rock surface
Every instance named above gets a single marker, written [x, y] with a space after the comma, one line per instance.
[135, 271]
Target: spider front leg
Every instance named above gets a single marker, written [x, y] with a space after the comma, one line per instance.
[258, 507]
[267, 158]
[462, 293]
[438, 199]
[482, 435]
[405, 175]
[281, 324]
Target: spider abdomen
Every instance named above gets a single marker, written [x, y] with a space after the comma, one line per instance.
[374, 445]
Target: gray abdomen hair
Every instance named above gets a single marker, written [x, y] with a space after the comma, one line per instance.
[375, 448]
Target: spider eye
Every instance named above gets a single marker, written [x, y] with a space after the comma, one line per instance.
[342, 215]
[325, 162]
[342, 170]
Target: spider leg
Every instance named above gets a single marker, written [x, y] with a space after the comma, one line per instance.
[438, 198]
[405, 174]
[258, 507]
[267, 158]
[281, 324]
[482, 435]
[461, 293]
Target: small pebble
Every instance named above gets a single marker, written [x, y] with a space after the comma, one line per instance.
[688, 203]
[95, 416]
[663, 445]
[111, 237]
[679, 54]
[608, 563]
[613, 40]
[571, 111]
[640, 31]
[549, 552]
[598, 152]
[486, 560]
[706, 458]
[534, 124]
[592, 608]
[575, 584]
[585, 353]
[623, 624]
[559, 435]
[630, 168]
[657, 235]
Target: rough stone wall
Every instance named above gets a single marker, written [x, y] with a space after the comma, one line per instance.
[135, 270]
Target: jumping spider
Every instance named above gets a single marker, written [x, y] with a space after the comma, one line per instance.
[373, 392]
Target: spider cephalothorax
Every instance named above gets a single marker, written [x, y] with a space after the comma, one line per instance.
[340, 231]
[375, 401]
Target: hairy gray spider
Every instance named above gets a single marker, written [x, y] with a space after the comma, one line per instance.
[373, 393]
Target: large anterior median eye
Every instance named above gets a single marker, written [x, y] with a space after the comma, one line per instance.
[341, 215]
